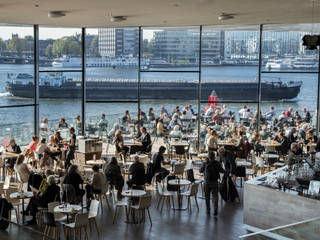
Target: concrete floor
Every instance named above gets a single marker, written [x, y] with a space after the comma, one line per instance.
[168, 224]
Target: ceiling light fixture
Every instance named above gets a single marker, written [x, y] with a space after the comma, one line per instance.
[57, 14]
[225, 16]
[118, 18]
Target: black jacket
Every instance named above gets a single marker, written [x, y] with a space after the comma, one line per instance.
[137, 172]
[211, 170]
[75, 180]
[5, 206]
[229, 162]
[113, 175]
[51, 194]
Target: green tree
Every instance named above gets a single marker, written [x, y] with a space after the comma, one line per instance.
[49, 51]
[3, 45]
[59, 47]
[94, 46]
[17, 44]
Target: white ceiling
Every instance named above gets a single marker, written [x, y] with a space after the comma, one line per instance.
[96, 13]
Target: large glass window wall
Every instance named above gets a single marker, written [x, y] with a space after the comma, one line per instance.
[147, 68]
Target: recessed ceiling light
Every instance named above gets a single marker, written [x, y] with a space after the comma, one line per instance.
[36, 5]
[225, 16]
[118, 18]
[57, 14]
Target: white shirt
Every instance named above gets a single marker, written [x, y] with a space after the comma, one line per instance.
[40, 149]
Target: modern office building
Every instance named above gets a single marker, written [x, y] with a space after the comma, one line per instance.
[118, 42]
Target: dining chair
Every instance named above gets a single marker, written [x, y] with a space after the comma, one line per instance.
[93, 212]
[80, 222]
[103, 194]
[165, 195]
[192, 192]
[14, 202]
[143, 205]
[118, 204]
[50, 224]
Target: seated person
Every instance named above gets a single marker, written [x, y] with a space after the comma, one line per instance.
[161, 131]
[113, 130]
[157, 159]
[44, 184]
[295, 155]
[176, 132]
[62, 123]
[119, 144]
[145, 139]
[97, 183]
[114, 177]
[57, 138]
[127, 118]
[22, 169]
[175, 121]
[51, 194]
[73, 178]
[44, 125]
[13, 147]
[137, 173]
[103, 122]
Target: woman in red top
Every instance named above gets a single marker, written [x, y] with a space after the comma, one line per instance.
[33, 145]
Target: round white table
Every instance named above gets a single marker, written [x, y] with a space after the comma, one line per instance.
[21, 196]
[96, 162]
[133, 193]
[244, 164]
[180, 183]
[67, 209]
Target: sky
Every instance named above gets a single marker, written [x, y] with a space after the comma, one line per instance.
[54, 33]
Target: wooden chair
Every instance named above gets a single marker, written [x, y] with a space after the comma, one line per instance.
[80, 222]
[192, 192]
[93, 212]
[143, 205]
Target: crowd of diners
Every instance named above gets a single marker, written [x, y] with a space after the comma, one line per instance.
[46, 166]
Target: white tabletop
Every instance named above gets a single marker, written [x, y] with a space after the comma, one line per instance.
[133, 193]
[20, 195]
[96, 162]
[141, 156]
[69, 208]
[269, 155]
[243, 164]
[270, 144]
[179, 182]
[173, 143]
[203, 155]
[132, 143]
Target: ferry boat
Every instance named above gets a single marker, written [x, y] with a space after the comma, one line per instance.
[305, 63]
[278, 64]
[75, 62]
[58, 86]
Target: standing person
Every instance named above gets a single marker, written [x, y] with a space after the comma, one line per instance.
[71, 148]
[211, 169]
[157, 159]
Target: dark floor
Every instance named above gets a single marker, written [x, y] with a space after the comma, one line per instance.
[168, 224]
